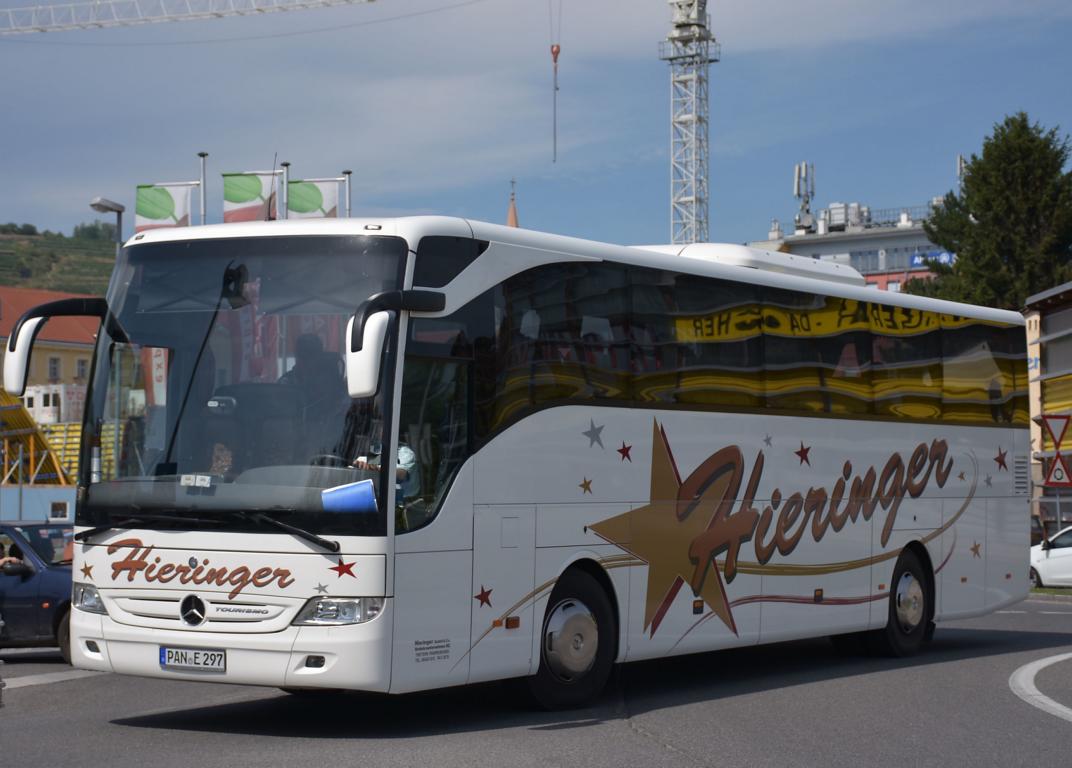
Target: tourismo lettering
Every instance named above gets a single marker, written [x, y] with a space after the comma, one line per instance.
[816, 512]
[137, 561]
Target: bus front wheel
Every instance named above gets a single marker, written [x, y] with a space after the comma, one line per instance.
[576, 643]
[908, 623]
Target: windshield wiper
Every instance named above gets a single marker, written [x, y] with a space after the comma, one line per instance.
[131, 521]
[301, 533]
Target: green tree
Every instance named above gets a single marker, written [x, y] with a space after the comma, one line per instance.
[98, 230]
[1011, 223]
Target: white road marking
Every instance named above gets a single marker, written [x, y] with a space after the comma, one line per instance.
[1010, 611]
[1057, 613]
[1022, 683]
[48, 677]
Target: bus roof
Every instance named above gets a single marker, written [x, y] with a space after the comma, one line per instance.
[729, 262]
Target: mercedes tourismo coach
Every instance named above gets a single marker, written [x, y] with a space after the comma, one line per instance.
[394, 455]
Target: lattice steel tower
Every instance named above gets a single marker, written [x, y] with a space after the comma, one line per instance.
[689, 48]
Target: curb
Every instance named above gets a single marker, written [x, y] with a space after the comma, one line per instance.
[1050, 598]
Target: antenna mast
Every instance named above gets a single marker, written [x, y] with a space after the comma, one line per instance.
[804, 191]
[689, 48]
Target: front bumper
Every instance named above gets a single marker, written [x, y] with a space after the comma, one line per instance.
[356, 657]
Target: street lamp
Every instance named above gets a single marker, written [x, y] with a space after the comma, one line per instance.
[104, 205]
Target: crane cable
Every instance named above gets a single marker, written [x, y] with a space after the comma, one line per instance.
[556, 36]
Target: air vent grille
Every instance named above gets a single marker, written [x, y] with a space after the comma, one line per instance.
[1021, 476]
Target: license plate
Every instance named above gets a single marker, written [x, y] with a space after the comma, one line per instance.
[203, 659]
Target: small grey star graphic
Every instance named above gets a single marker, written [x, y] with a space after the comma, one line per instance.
[321, 589]
[593, 434]
[768, 440]
[989, 482]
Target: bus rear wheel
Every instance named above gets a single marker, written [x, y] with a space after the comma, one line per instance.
[908, 623]
[576, 643]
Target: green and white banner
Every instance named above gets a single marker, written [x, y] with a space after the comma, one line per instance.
[313, 199]
[249, 196]
[162, 205]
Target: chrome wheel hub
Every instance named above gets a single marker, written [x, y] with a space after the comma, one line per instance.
[570, 640]
[910, 602]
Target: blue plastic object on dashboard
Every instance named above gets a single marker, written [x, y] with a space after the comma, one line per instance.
[351, 499]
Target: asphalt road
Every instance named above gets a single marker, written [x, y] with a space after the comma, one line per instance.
[788, 704]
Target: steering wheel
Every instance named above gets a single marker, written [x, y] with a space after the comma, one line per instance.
[328, 460]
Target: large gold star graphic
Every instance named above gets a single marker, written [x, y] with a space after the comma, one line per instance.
[660, 533]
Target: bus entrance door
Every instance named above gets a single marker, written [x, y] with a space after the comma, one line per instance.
[504, 561]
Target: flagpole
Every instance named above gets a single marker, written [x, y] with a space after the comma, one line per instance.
[347, 173]
[286, 189]
[201, 188]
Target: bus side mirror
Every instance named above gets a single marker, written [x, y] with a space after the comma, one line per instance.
[366, 334]
[20, 343]
[363, 365]
[17, 357]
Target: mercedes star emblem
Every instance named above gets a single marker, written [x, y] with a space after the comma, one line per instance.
[192, 610]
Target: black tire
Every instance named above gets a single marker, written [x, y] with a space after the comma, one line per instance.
[1036, 580]
[911, 610]
[63, 636]
[570, 674]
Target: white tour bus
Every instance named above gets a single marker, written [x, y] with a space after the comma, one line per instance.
[394, 455]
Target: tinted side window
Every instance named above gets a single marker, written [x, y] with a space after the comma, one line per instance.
[906, 356]
[434, 437]
[976, 387]
[566, 333]
[564, 336]
[717, 326]
[1062, 541]
[449, 367]
[440, 259]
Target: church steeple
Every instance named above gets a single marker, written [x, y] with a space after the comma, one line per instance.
[511, 212]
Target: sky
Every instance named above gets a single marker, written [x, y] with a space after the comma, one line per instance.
[437, 104]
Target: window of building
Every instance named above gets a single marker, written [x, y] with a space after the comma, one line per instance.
[53, 369]
[82, 368]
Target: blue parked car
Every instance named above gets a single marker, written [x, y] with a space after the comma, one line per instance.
[35, 584]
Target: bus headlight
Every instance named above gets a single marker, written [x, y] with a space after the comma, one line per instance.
[85, 597]
[326, 612]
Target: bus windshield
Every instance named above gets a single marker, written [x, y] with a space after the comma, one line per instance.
[218, 388]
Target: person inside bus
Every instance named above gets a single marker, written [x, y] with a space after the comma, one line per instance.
[317, 376]
[406, 479]
[316, 372]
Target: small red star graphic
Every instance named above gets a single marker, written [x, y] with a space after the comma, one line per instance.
[1000, 459]
[87, 571]
[802, 454]
[975, 549]
[484, 596]
[960, 477]
[341, 568]
[585, 485]
[624, 451]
